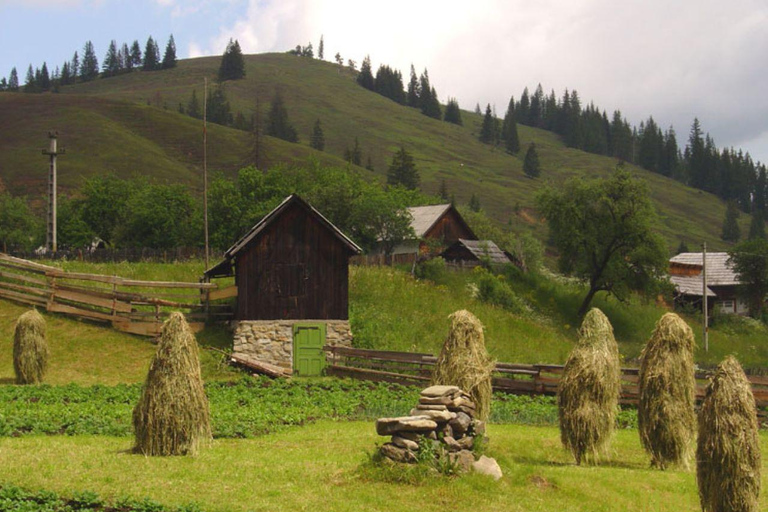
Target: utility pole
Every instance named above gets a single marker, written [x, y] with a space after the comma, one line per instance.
[705, 308]
[52, 152]
[205, 166]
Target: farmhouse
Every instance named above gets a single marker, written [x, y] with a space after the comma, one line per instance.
[435, 227]
[291, 274]
[471, 253]
[685, 272]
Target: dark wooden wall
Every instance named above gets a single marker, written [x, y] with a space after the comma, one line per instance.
[297, 268]
[450, 228]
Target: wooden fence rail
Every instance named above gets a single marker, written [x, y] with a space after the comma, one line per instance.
[129, 305]
[409, 368]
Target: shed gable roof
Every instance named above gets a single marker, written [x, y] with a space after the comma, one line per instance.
[719, 271]
[425, 217]
[485, 249]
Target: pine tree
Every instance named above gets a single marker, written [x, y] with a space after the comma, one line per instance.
[125, 56]
[477, 109]
[45, 78]
[402, 170]
[412, 96]
[169, 59]
[321, 49]
[430, 105]
[151, 56]
[523, 107]
[757, 225]
[13, 80]
[357, 154]
[474, 203]
[683, 247]
[365, 77]
[443, 193]
[218, 109]
[3, 84]
[509, 129]
[75, 67]
[110, 66]
[232, 65]
[453, 112]
[731, 231]
[30, 85]
[317, 139]
[193, 107]
[136, 60]
[531, 164]
[369, 164]
[89, 69]
[278, 124]
[487, 130]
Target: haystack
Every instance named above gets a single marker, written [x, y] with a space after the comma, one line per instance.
[589, 390]
[30, 349]
[465, 363]
[172, 416]
[666, 416]
[728, 453]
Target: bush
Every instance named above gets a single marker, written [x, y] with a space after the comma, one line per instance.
[431, 270]
[495, 290]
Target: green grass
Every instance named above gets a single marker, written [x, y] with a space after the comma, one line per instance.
[327, 463]
[129, 124]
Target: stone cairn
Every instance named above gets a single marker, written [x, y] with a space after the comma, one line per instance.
[445, 415]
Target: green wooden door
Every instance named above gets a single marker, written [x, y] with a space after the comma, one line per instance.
[308, 355]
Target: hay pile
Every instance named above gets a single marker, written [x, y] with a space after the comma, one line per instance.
[172, 416]
[465, 363]
[588, 394]
[728, 453]
[666, 416]
[30, 349]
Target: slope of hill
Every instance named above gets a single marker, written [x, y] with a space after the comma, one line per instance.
[130, 124]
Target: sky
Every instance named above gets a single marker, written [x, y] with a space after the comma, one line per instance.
[674, 60]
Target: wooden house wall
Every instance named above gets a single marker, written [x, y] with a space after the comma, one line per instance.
[448, 229]
[295, 269]
[458, 253]
[681, 269]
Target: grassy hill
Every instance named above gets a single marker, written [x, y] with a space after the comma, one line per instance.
[129, 124]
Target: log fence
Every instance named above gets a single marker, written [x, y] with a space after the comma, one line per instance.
[415, 369]
[129, 305]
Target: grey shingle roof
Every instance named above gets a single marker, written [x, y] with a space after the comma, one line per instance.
[424, 217]
[485, 248]
[689, 285]
[719, 272]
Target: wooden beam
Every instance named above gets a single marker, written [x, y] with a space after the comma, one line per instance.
[225, 293]
[92, 300]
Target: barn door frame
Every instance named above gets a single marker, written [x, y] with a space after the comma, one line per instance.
[310, 355]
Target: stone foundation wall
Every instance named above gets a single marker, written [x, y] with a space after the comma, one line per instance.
[271, 341]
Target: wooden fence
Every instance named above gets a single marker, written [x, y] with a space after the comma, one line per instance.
[409, 368]
[380, 260]
[129, 305]
[132, 254]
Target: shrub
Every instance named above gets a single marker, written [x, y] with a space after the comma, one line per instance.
[495, 290]
[432, 270]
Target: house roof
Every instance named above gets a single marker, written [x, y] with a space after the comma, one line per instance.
[690, 285]
[485, 249]
[719, 271]
[225, 265]
[424, 217]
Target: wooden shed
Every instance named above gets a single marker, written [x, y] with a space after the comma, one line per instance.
[291, 273]
[436, 227]
[470, 253]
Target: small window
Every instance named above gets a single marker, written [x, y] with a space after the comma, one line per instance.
[726, 306]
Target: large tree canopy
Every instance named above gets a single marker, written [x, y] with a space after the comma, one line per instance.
[602, 229]
[750, 262]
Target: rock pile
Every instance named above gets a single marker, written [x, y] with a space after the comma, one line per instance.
[445, 416]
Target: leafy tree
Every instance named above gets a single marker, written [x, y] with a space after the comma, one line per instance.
[232, 65]
[321, 49]
[338, 59]
[531, 166]
[13, 80]
[193, 107]
[72, 230]
[414, 90]
[151, 56]
[277, 123]
[365, 77]
[731, 231]
[351, 64]
[474, 203]
[169, 58]
[603, 232]
[757, 225]
[509, 129]
[308, 51]
[453, 112]
[749, 260]
[317, 139]
[136, 59]
[17, 223]
[402, 170]
[3, 84]
[89, 69]
[103, 206]
[487, 130]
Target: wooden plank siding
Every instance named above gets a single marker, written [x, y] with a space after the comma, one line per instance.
[448, 229]
[296, 268]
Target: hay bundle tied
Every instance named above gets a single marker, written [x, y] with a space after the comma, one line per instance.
[666, 415]
[728, 452]
[172, 416]
[464, 361]
[588, 394]
[30, 349]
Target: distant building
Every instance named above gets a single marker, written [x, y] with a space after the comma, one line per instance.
[470, 253]
[436, 227]
[685, 272]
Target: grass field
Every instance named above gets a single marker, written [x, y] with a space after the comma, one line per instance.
[129, 124]
[327, 463]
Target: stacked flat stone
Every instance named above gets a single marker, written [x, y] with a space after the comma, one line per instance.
[444, 414]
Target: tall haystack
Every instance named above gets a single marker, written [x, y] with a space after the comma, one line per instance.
[30, 349]
[465, 363]
[728, 453]
[588, 396]
[172, 416]
[666, 416]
